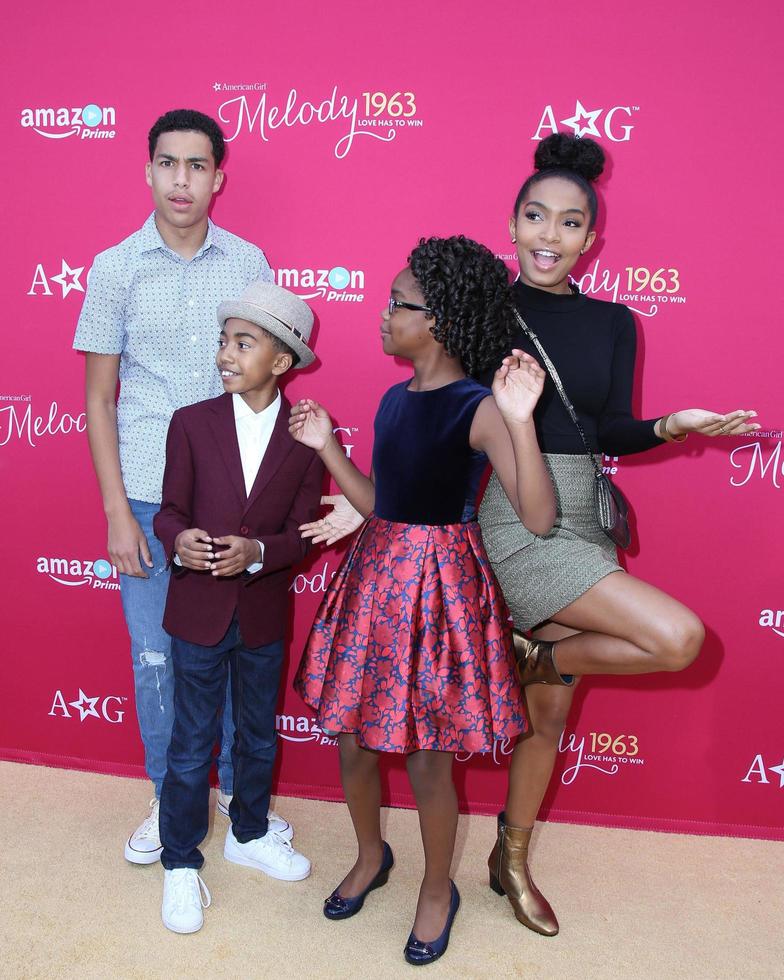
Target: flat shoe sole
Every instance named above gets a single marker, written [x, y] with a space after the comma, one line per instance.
[272, 872]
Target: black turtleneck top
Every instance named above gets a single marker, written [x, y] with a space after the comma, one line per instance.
[592, 344]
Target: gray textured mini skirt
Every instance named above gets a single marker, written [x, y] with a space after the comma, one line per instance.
[540, 575]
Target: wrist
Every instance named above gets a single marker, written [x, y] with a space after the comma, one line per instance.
[117, 509]
[669, 430]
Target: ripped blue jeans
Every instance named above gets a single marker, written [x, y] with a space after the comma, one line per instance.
[144, 600]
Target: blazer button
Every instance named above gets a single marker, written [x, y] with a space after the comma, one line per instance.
[244, 529]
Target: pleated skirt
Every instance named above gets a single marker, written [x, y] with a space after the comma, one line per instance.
[411, 648]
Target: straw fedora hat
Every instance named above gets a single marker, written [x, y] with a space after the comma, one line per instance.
[276, 310]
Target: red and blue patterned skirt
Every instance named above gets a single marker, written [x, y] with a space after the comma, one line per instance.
[411, 648]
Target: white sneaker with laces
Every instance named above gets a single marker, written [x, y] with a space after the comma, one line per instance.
[271, 854]
[144, 844]
[184, 897]
[277, 824]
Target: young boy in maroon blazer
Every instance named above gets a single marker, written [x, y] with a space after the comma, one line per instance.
[236, 489]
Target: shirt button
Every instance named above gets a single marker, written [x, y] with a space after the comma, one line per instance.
[197, 374]
[190, 302]
[244, 529]
[193, 338]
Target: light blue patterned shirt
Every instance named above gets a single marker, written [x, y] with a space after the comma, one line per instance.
[157, 311]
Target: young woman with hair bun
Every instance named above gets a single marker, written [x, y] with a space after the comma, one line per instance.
[581, 613]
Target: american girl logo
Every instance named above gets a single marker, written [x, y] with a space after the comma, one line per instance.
[752, 460]
[261, 116]
[21, 425]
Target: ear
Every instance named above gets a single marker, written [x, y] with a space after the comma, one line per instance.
[148, 172]
[589, 240]
[282, 363]
[512, 226]
[217, 182]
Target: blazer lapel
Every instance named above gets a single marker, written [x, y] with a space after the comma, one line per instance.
[225, 431]
[280, 445]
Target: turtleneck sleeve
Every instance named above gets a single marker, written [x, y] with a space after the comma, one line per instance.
[619, 432]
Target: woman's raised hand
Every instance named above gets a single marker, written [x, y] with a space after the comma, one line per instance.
[343, 519]
[711, 423]
[310, 424]
[517, 385]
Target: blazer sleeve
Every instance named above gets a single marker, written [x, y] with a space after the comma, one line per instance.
[175, 514]
[288, 547]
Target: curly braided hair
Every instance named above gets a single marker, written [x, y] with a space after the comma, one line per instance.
[467, 288]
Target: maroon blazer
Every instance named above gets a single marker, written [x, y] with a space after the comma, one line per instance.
[203, 486]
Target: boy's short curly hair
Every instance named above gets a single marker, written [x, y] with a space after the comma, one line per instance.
[188, 121]
[467, 288]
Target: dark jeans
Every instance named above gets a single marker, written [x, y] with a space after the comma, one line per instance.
[199, 687]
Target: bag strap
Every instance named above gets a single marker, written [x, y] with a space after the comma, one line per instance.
[560, 389]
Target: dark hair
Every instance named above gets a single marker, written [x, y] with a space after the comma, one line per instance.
[189, 121]
[280, 346]
[467, 288]
[562, 155]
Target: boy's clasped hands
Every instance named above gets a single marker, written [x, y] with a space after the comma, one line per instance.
[196, 550]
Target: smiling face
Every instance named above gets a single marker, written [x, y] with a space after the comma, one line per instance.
[183, 178]
[551, 228]
[248, 359]
[406, 333]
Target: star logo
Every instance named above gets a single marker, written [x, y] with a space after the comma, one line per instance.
[217, 86]
[68, 278]
[85, 706]
[582, 114]
[779, 770]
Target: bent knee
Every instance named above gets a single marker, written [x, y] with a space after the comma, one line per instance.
[679, 642]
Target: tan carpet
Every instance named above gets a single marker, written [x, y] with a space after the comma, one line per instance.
[631, 904]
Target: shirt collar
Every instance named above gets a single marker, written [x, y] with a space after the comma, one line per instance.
[150, 238]
[242, 409]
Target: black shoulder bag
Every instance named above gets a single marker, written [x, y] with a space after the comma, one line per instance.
[612, 510]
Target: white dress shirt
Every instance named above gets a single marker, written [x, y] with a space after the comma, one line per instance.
[254, 431]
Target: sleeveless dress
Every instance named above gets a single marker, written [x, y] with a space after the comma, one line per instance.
[411, 647]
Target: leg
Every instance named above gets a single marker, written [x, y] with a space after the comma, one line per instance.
[225, 763]
[255, 680]
[430, 774]
[362, 789]
[627, 627]
[533, 759]
[143, 605]
[200, 682]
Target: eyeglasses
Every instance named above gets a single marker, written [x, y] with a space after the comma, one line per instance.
[399, 304]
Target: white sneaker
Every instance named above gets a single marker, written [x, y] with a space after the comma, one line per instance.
[277, 824]
[184, 897]
[271, 854]
[144, 844]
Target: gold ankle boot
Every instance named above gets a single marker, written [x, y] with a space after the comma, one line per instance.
[536, 663]
[509, 875]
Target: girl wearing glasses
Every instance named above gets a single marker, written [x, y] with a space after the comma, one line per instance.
[582, 617]
[410, 651]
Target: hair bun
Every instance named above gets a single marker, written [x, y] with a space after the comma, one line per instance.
[562, 151]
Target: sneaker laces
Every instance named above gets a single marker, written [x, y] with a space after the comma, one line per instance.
[148, 829]
[187, 888]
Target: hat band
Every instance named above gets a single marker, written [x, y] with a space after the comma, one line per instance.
[297, 333]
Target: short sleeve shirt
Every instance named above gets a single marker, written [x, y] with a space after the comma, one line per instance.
[157, 310]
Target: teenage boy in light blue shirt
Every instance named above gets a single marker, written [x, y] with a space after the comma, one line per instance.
[158, 286]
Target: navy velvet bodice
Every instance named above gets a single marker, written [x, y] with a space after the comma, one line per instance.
[425, 469]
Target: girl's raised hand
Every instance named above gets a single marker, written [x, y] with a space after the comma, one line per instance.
[310, 424]
[711, 423]
[517, 385]
[343, 519]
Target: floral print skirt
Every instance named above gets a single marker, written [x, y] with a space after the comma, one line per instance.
[411, 648]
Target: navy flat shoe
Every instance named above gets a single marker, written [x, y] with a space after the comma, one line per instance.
[420, 954]
[337, 907]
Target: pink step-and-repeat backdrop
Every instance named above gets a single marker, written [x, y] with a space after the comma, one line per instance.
[355, 129]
